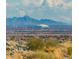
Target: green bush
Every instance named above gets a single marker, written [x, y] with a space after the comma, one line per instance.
[51, 42]
[70, 51]
[35, 44]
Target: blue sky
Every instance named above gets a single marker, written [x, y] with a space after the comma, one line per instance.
[59, 10]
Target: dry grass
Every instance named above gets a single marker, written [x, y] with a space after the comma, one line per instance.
[60, 51]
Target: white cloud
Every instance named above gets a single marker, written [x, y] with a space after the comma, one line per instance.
[26, 2]
[65, 18]
[54, 3]
[11, 5]
[38, 3]
[57, 3]
[35, 3]
[21, 13]
[67, 5]
[43, 25]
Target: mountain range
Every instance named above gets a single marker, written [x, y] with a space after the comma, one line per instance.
[29, 22]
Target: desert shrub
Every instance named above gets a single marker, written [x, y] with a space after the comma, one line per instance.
[70, 51]
[41, 55]
[34, 44]
[37, 43]
[51, 43]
